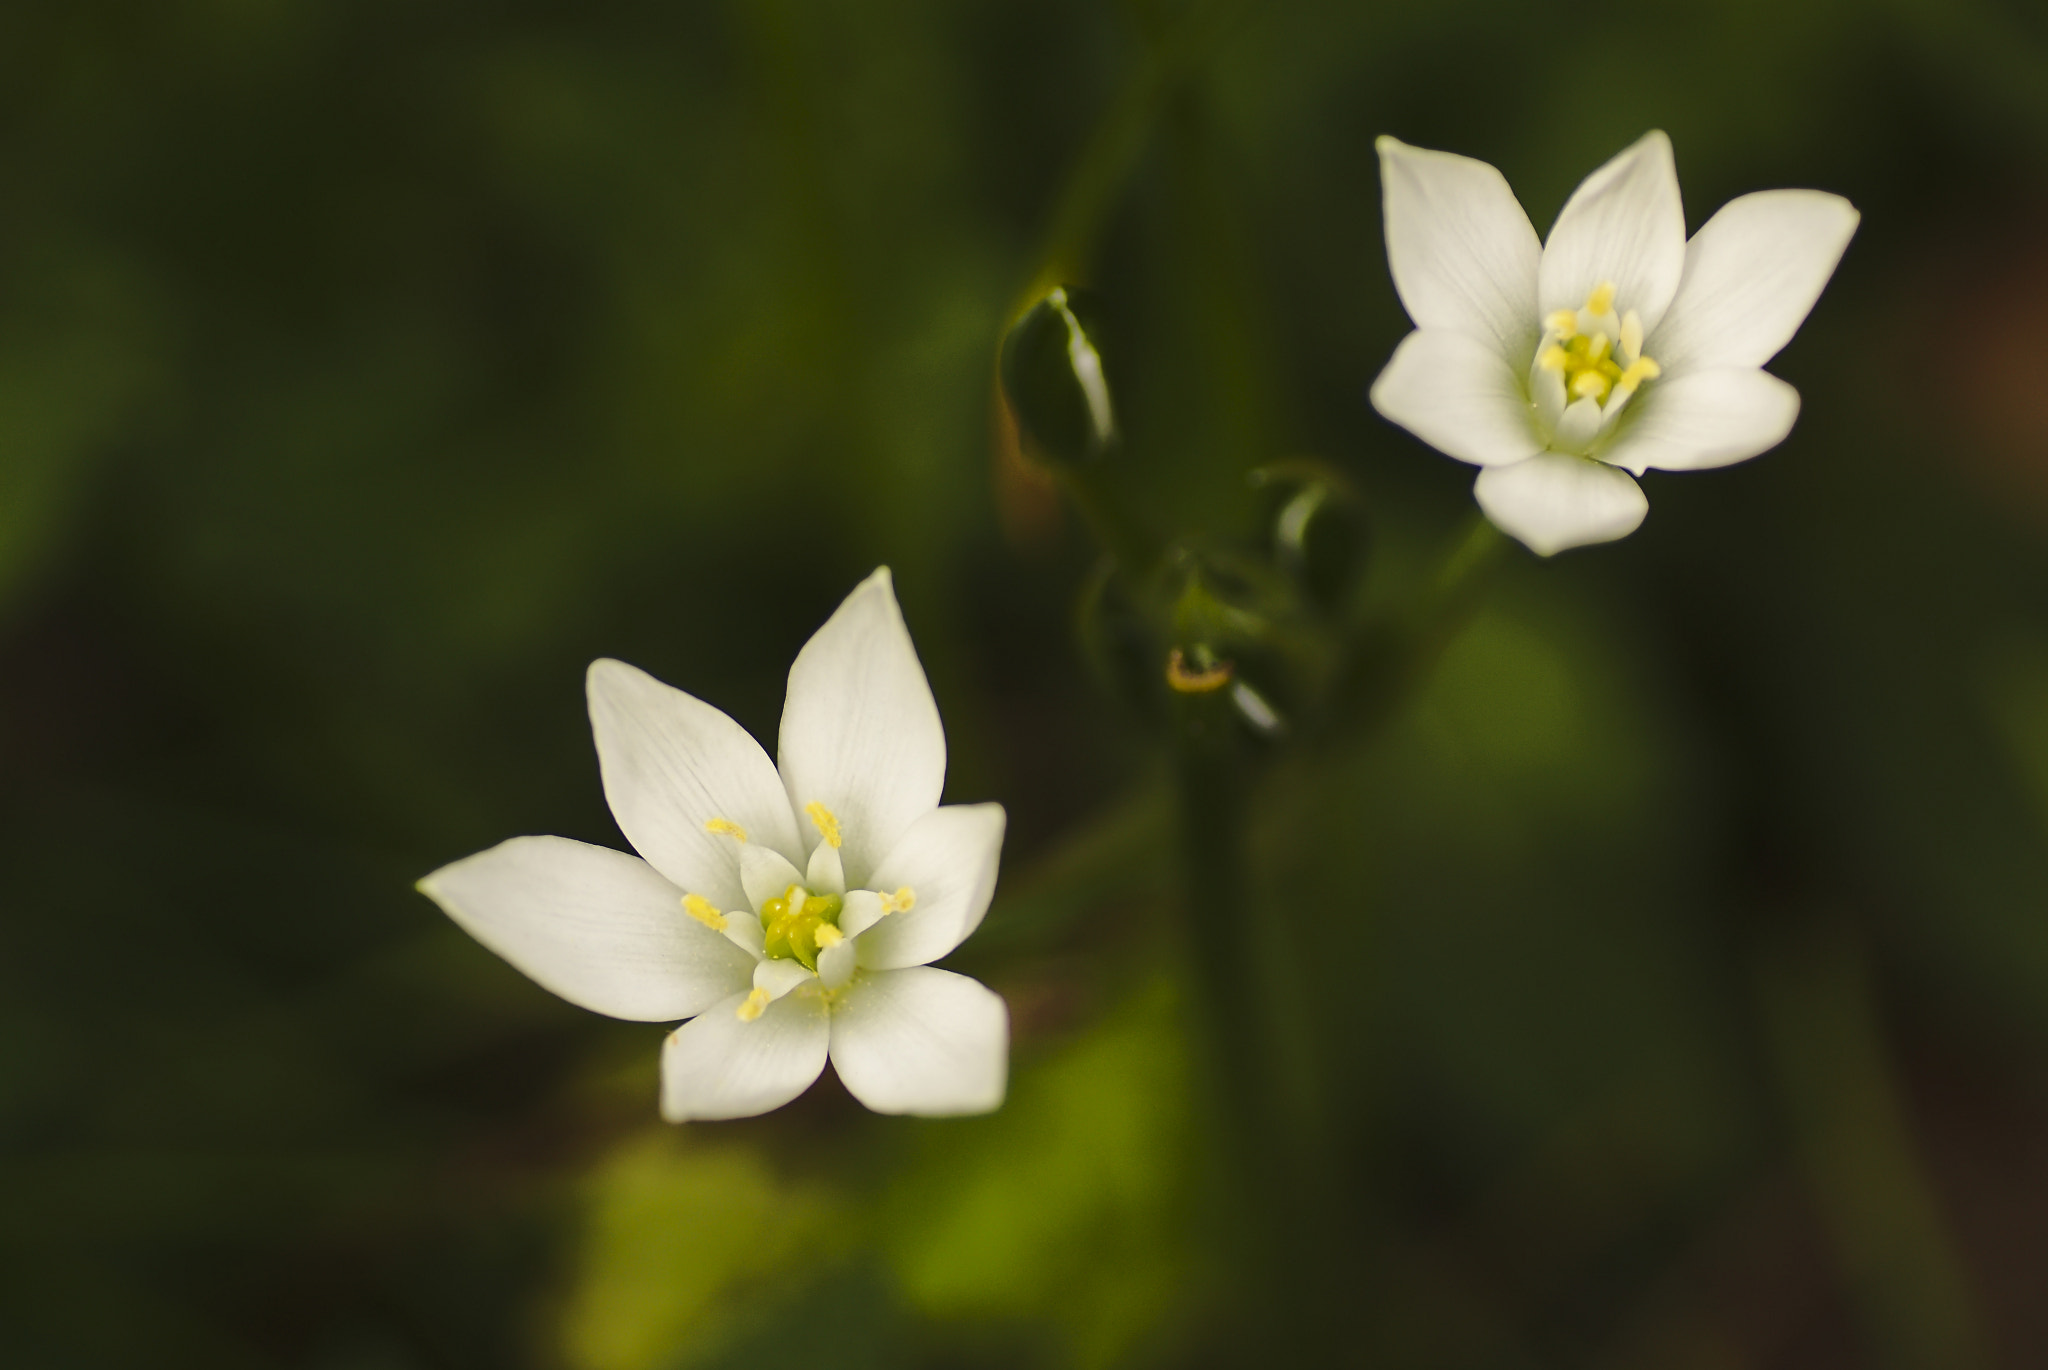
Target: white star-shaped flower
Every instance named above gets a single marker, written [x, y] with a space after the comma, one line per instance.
[1614, 348]
[789, 915]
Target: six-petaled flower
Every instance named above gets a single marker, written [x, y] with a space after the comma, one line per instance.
[1561, 368]
[788, 913]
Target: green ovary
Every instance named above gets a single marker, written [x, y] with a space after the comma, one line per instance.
[790, 925]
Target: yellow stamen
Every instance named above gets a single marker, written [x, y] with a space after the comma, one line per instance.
[828, 825]
[1602, 298]
[1195, 682]
[1642, 369]
[828, 936]
[1631, 335]
[902, 901]
[1588, 385]
[1563, 322]
[725, 827]
[755, 1005]
[1554, 358]
[704, 911]
[1598, 348]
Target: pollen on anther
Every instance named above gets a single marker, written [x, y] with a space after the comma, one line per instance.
[754, 1005]
[704, 911]
[828, 823]
[901, 901]
[1563, 322]
[1554, 358]
[725, 827]
[1602, 298]
[828, 936]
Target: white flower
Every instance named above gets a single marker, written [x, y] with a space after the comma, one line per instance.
[1615, 347]
[788, 915]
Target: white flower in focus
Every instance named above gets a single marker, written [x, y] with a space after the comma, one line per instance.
[790, 914]
[1614, 348]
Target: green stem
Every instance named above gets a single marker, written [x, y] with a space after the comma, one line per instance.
[1134, 544]
[1390, 658]
[1280, 1194]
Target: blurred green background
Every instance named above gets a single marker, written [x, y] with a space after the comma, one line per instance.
[367, 368]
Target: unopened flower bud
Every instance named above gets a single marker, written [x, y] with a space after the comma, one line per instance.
[1055, 380]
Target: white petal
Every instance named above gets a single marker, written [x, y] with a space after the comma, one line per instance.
[948, 860]
[716, 1066]
[861, 911]
[860, 733]
[922, 1041]
[1460, 246]
[779, 976]
[836, 964]
[743, 930]
[1623, 224]
[1551, 502]
[826, 873]
[671, 764]
[765, 875]
[1578, 426]
[600, 928]
[1752, 274]
[1704, 419]
[1459, 395]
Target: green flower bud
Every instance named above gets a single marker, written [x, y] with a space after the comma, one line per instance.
[1055, 380]
[1318, 529]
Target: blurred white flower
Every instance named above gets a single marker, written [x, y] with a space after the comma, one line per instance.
[1614, 348]
[788, 915]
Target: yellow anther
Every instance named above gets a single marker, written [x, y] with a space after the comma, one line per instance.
[828, 825]
[1642, 369]
[725, 827]
[1589, 385]
[1602, 298]
[904, 899]
[1553, 358]
[1563, 322]
[755, 1004]
[1599, 347]
[1183, 680]
[704, 911]
[828, 936]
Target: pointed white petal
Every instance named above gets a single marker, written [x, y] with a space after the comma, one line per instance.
[860, 733]
[948, 861]
[1752, 274]
[826, 874]
[780, 976]
[1459, 395]
[743, 930]
[1577, 426]
[716, 1066]
[671, 764]
[862, 910]
[765, 875]
[1552, 502]
[1623, 224]
[1460, 246]
[922, 1041]
[1704, 419]
[600, 928]
[836, 964]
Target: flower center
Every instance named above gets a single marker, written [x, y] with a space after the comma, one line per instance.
[1587, 366]
[795, 924]
[1597, 354]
